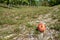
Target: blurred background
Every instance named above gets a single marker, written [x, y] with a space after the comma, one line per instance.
[30, 2]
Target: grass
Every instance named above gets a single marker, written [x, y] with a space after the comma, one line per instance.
[21, 15]
[56, 15]
[14, 17]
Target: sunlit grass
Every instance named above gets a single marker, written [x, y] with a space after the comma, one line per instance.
[21, 16]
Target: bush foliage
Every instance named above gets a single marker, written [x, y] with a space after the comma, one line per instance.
[31, 2]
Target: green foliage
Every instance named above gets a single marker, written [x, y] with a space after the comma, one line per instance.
[54, 2]
[21, 2]
[31, 2]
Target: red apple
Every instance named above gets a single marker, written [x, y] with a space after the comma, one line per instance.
[41, 27]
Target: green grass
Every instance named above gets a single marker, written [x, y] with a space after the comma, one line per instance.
[14, 17]
[21, 15]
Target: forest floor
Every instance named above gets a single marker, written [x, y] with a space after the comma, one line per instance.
[21, 23]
